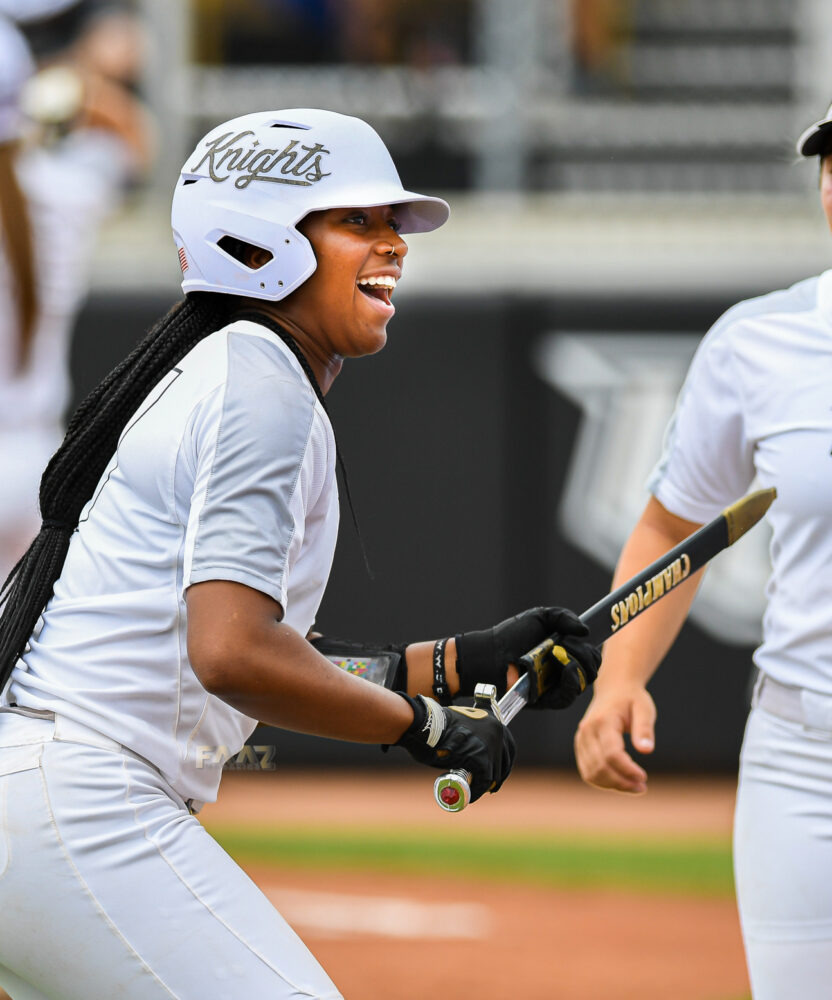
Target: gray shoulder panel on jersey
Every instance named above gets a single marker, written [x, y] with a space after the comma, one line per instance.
[246, 525]
[800, 297]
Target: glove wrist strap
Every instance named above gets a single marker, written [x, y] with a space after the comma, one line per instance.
[428, 721]
[440, 682]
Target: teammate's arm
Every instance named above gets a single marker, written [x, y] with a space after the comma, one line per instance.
[621, 703]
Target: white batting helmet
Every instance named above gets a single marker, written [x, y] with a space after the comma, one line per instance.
[16, 66]
[255, 177]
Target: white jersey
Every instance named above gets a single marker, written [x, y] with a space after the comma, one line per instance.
[758, 401]
[225, 472]
[69, 189]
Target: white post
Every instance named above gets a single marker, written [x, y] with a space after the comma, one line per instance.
[165, 85]
[814, 58]
[508, 49]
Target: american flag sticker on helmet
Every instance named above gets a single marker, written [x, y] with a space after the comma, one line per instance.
[183, 260]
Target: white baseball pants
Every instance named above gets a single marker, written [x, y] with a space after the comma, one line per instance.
[110, 888]
[783, 844]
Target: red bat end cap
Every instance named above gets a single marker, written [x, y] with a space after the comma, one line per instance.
[449, 795]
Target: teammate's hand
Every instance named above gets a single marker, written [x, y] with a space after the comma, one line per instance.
[573, 668]
[484, 657]
[600, 753]
[470, 739]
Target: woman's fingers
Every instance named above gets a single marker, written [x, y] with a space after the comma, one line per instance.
[600, 750]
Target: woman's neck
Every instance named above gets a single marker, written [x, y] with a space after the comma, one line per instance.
[325, 368]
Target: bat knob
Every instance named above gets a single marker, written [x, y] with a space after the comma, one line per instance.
[449, 796]
[452, 791]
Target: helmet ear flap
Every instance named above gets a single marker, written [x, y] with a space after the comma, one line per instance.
[255, 257]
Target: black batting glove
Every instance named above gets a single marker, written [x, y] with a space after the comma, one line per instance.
[470, 739]
[484, 657]
[572, 667]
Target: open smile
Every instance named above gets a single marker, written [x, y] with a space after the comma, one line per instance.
[379, 289]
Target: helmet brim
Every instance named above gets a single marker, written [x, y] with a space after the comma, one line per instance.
[417, 213]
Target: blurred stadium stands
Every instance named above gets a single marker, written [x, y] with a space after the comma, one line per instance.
[635, 144]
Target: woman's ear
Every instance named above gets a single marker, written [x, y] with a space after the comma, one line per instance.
[257, 257]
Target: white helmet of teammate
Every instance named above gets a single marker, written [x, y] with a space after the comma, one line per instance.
[16, 66]
[254, 178]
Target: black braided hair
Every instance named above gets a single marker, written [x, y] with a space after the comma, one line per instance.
[76, 467]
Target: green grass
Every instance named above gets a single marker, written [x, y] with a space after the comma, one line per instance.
[700, 867]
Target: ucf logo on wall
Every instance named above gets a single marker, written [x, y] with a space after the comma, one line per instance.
[626, 386]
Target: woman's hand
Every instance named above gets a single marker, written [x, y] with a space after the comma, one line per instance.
[488, 656]
[452, 737]
[600, 750]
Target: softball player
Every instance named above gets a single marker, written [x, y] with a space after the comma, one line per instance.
[756, 402]
[189, 522]
[53, 198]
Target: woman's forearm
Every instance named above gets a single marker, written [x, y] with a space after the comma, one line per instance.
[634, 653]
[242, 653]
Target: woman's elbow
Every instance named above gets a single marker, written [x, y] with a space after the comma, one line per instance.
[216, 664]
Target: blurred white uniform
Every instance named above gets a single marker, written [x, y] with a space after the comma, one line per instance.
[69, 189]
[758, 401]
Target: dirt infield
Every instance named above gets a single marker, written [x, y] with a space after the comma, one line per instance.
[392, 937]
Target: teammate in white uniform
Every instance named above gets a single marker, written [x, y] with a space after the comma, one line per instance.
[189, 526]
[756, 402]
[52, 201]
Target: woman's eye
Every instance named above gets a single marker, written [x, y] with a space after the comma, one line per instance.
[395, 225]
[359, 217]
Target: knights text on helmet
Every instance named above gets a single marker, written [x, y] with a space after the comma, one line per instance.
[236, 153]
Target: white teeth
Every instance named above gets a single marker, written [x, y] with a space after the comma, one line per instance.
[386, 280]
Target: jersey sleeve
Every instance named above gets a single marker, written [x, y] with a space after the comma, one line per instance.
[246, 516]
[707, 460]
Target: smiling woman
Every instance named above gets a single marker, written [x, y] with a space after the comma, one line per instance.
[189, 523]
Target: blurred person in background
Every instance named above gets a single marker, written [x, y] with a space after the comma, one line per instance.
[600, 29]
[189, 525]
[755, 403]
[64, 166]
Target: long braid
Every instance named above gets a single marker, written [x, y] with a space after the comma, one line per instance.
[76, 467]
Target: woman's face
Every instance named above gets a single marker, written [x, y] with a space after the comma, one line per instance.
[344, 307]
[826, 187]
